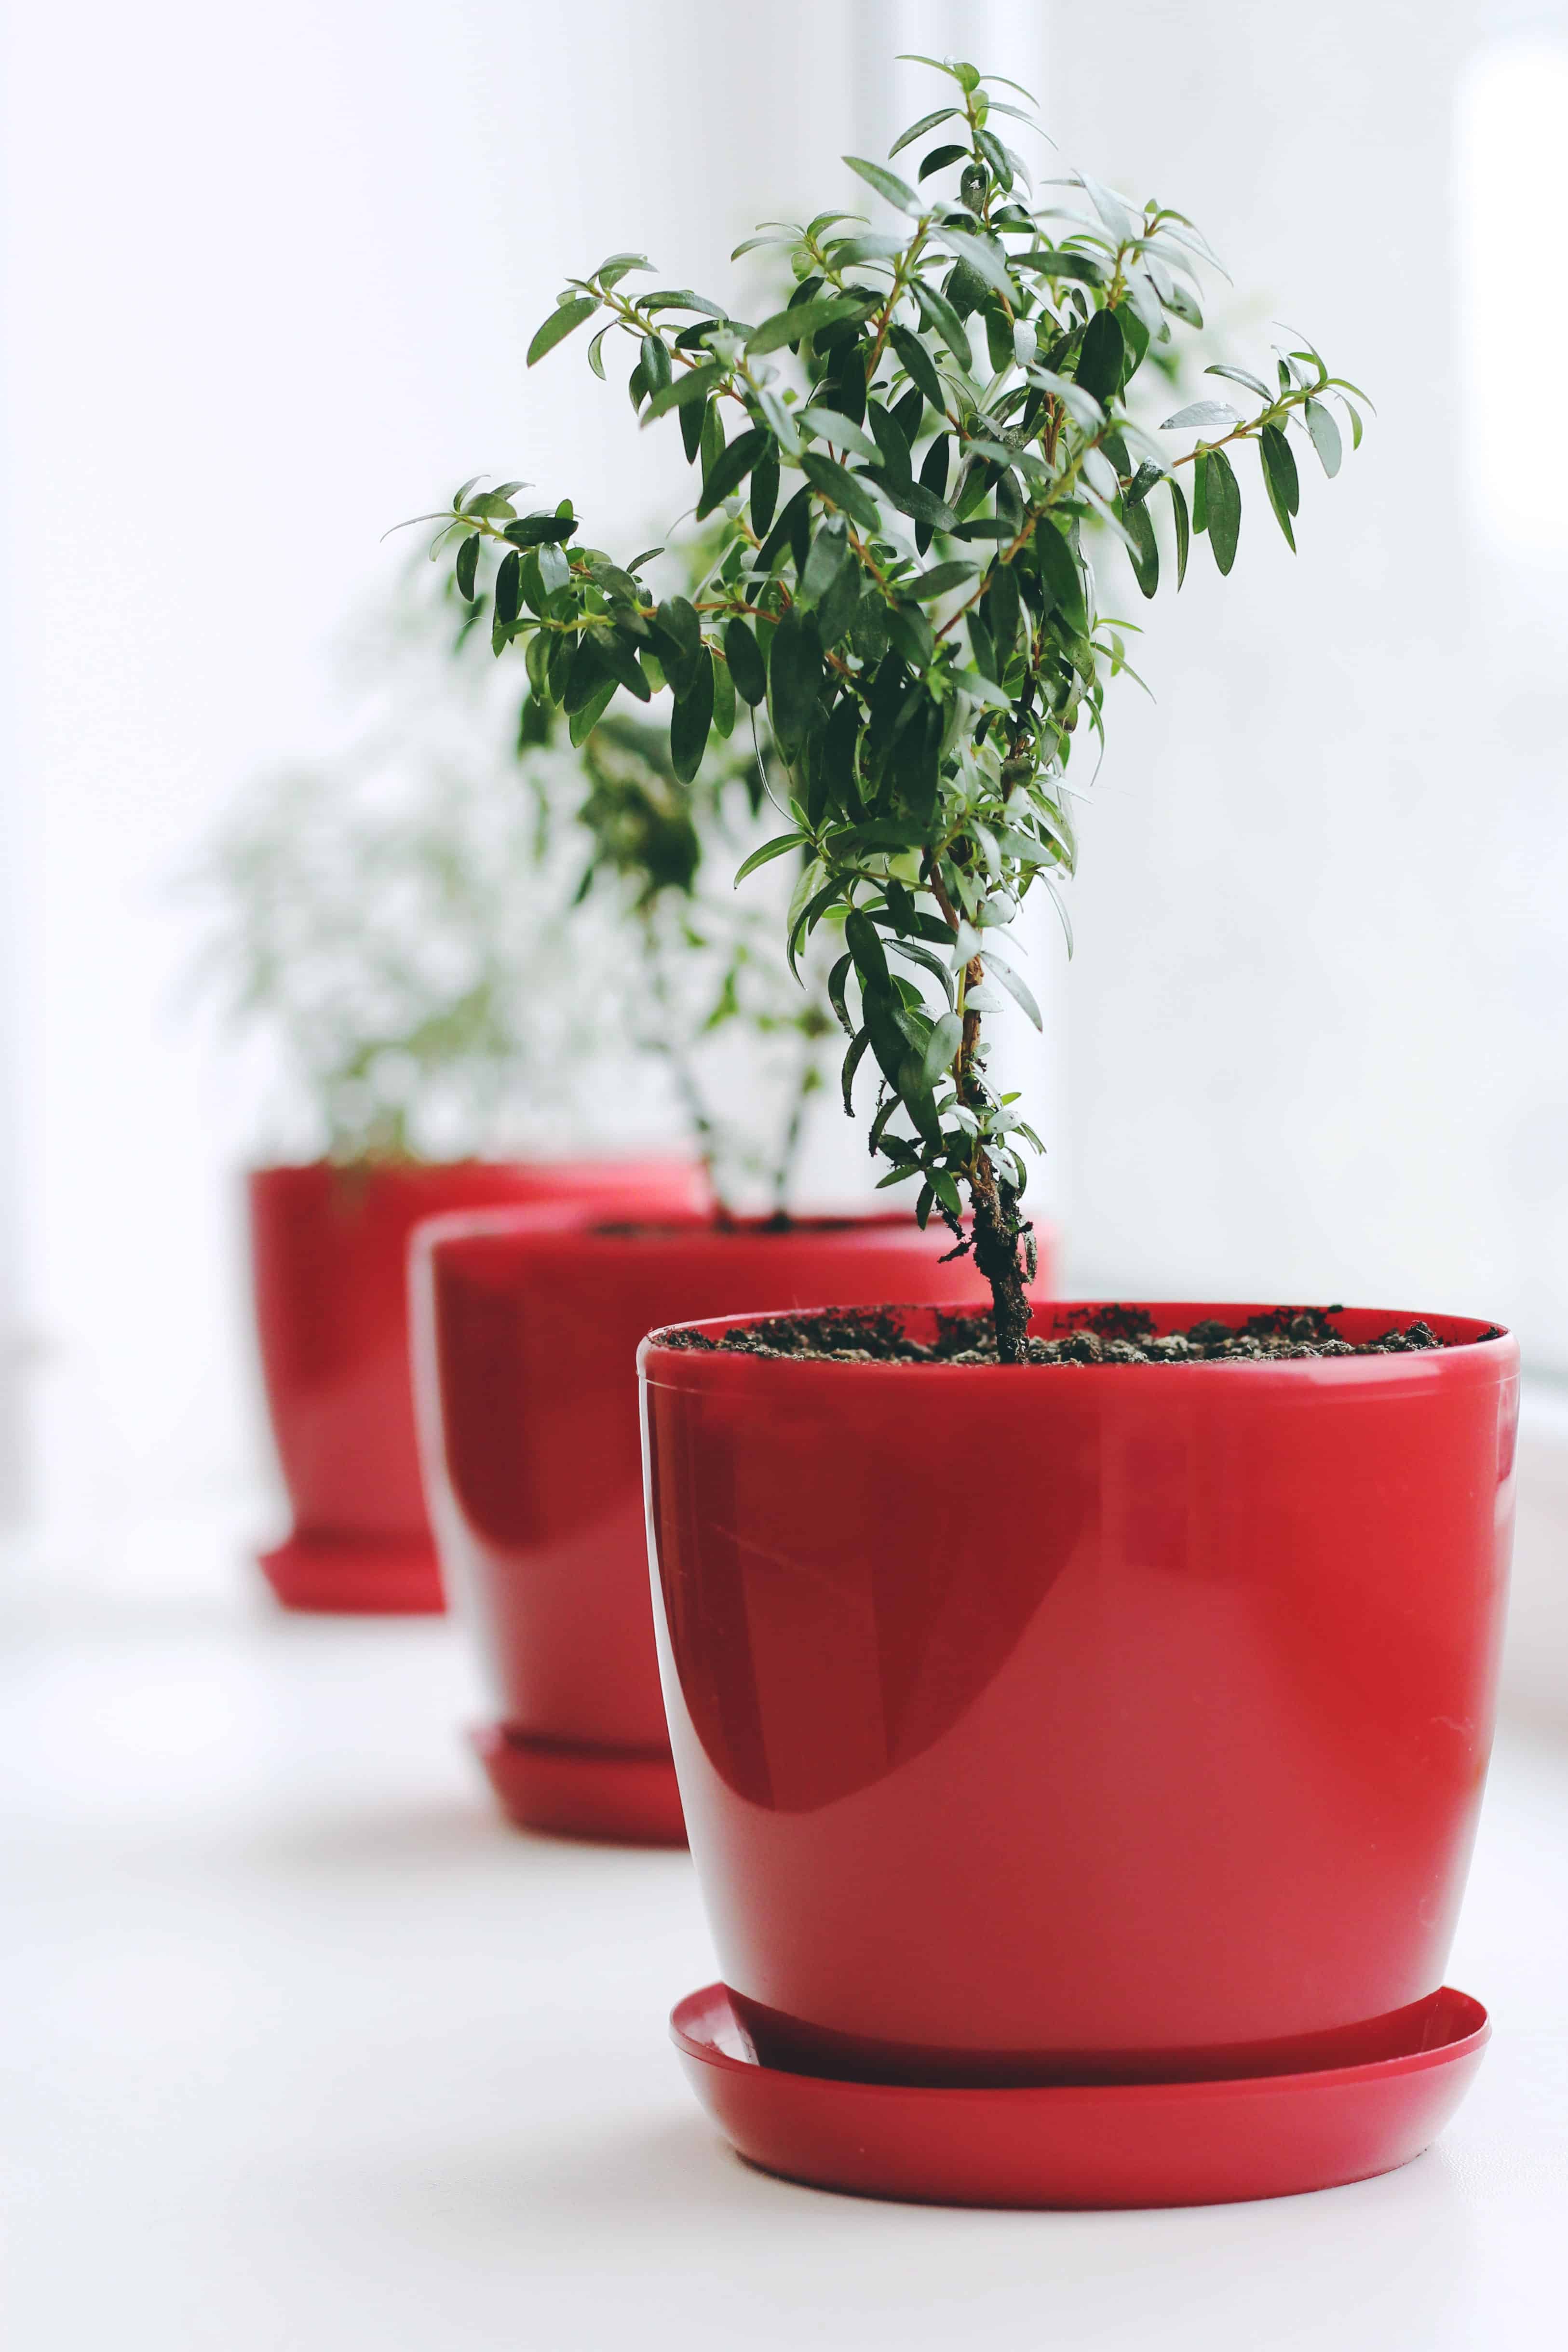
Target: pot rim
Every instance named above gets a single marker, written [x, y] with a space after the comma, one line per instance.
[597, 1224]
[1471, 1355]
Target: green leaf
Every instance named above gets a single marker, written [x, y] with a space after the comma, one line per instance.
[793, 326]
[795, 674]
[941, 1047]
[1203, 416]
[619, 654]
[988, 260]
[560, 324]
[508, 588]
[466, 566]
[582, 722]
[997, 968]
[1275, 487]
[897, 191]
[585, 679]
[539, 530]
[724, 699]
[1325, 436]
[838, 980]
[745, 663]
[780, 847]
[939, 314]
[1243, 376]
[939, 158]
[835, 482]
[918, 365]
[1058, 576]
[864, 942]
[695, 385]
[731, 468]
[918, 129]
[939, 580]
[1223, 494]
[1179, 516]
[840, 430]
[1279, 461]
[691, 720]
[1145, 553]
[852, 1061]
[1101, 357]
[1200, 492]
[765, 490]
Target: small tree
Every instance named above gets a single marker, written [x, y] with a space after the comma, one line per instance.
[964, 388]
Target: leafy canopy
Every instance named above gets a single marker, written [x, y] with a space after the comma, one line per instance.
[920, 461]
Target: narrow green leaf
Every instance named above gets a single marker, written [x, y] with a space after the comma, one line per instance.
[1145, 553]
[852, 1061]
[941, 1047]
[791, 326]
[1016, 988]
[918, 365]
[508, 588]
[840, 430]
[733, 465]
[795, 674]
[1179, 516]
[835, 482]
[1100, 356]
[765, 490]
[691, 720]
[918, 129]
[1223, 493]
[780, 847]
[1280, 462]
[582, 723]
[1325, 436]
[888, 184]
[466, 566]
[939, 314]
[561, 322]
[1203, 416]
[939, 580]
[745, 663]
[695, 385]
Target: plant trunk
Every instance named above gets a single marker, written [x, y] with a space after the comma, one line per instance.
[997, 1235]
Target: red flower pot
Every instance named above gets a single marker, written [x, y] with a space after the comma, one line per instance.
[328, 1249]
[526, 1335]
[1083, 1724]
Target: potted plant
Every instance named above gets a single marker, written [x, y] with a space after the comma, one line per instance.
[1080, 1718]
[382, 927]
[527, 1324]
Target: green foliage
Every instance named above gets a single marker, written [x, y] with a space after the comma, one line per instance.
[968, 385]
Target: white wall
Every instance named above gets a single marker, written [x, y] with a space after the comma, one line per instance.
[272, 275]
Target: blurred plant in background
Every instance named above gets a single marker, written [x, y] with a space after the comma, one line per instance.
[455, 934]
[703, 992]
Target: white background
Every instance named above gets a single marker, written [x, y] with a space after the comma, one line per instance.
[271, 275]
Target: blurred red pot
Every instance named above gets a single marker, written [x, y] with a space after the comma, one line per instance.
[526, 1330]
[329, 1251]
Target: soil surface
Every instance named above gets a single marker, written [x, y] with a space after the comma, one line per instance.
[1083, 1335]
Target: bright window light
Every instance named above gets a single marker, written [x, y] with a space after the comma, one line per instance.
[1512, 137]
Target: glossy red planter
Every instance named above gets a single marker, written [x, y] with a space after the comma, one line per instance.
[1086, 2143]
[328, 1249]
[526, 1335]
[1083, 1724]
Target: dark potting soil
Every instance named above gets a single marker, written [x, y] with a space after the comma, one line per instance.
[1083, 1335]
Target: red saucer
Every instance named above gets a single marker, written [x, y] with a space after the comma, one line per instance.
[1122, 2143]
[622, 1796]
[346, 1578]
